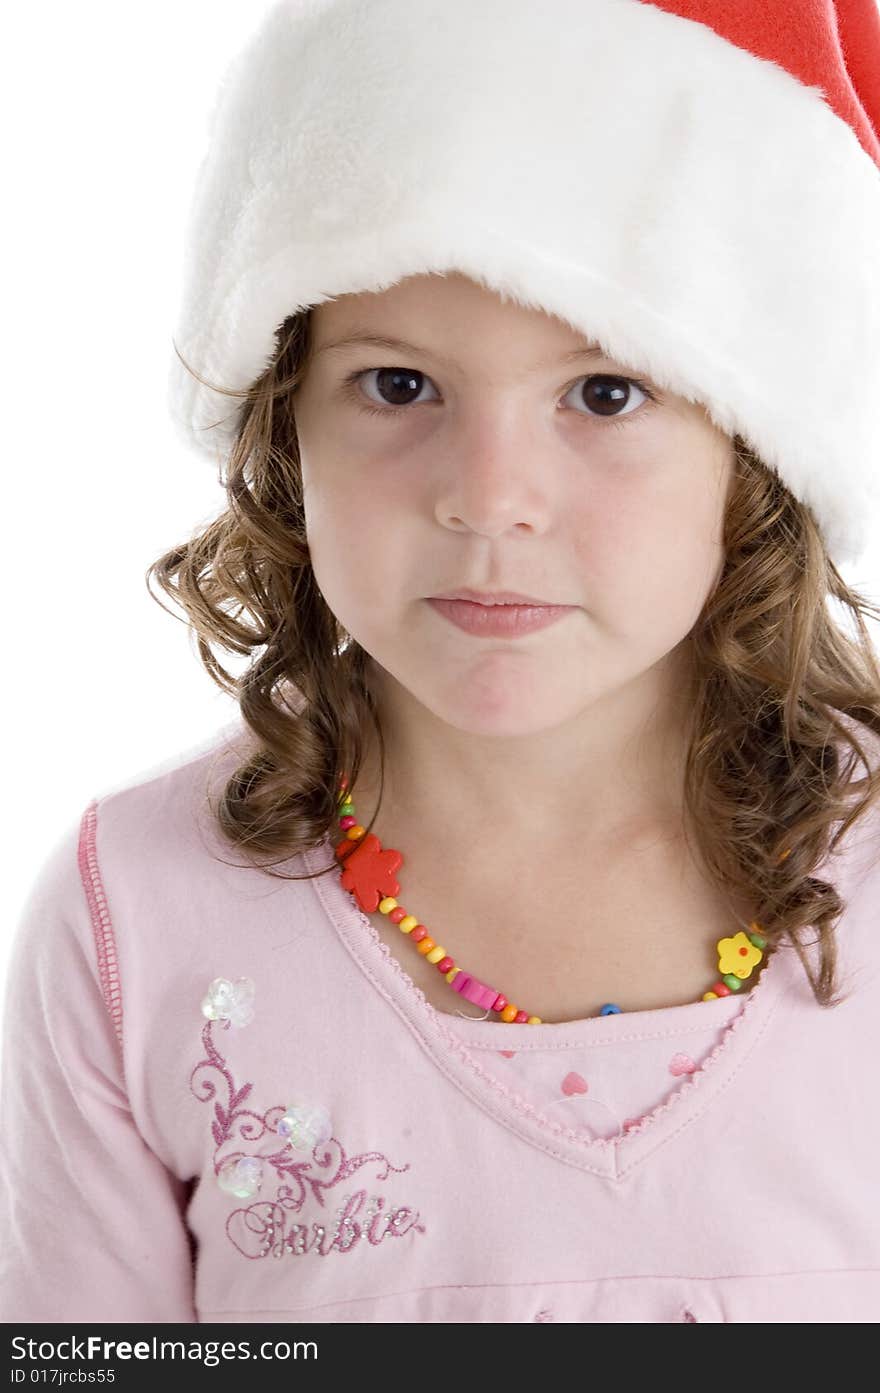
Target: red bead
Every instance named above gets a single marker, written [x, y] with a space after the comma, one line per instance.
[368, 870]
[346, 822]
[720, 990]
[397, 914]
[445, 965]
[521, 1017]
[418, 933]
[500, 1002]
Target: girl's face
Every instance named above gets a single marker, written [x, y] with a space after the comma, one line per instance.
[514, 461]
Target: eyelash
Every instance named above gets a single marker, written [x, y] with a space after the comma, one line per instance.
[353, 378]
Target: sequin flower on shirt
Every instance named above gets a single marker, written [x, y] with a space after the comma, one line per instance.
[304, 1126]
[230, 1001]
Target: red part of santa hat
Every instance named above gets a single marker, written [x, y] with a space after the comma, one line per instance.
[830, 44]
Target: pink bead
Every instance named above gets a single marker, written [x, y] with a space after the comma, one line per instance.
[475, 990]
[346, 822]
[521, 1017]
[500, 1002]
[397, 914]
[460, 981]
[418, 933]
[445, 965]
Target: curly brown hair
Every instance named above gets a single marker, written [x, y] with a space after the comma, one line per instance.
[779, 687]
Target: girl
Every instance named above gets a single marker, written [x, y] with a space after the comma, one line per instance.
[514, 957]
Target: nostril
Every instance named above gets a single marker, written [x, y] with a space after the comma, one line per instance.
[545, 1314]
[688, 1315]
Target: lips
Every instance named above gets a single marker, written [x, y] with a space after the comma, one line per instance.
[493, 598]
[498, 620]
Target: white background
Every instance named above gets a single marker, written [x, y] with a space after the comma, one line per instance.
[104, 118]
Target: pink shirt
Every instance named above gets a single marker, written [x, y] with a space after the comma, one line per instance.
[710, 1162]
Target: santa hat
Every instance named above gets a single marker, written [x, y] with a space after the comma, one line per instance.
[696, 186]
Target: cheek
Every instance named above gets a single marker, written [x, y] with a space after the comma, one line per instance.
[649, 557]
[357, 541]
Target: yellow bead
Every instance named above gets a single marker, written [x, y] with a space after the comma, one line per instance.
[354, 833]
[710, 996]
[426, 944]
[407, 923]
[386, 905]
[453, 972]
[533, 1020]
[510, 1012]
[436, 954]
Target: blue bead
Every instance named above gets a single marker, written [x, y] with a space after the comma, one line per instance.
[609, 1010]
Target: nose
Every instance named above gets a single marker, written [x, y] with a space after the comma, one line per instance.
[494, 478]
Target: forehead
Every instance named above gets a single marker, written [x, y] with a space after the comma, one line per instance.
[451, 321]
[452, 305]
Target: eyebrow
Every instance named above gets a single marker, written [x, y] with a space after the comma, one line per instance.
[356, 338]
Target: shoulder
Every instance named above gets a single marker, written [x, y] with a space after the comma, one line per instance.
[152, 856]
[168, 892]
[121, 872]
[157, 805]
[853, 868]
[856, 859]
[138, 821]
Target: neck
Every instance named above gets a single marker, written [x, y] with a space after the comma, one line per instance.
[592, 784]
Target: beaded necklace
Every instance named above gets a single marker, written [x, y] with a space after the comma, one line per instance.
[368, 873]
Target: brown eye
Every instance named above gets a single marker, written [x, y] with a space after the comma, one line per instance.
[395, 387]
[607, 395]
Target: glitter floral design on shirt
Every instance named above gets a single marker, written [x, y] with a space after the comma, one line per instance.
[230, 1001]
[265, 1226]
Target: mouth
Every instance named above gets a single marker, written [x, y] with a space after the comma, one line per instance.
[491, 599]
[498, 620]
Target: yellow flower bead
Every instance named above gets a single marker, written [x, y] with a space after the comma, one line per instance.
[436, 954]
[510, 1012]
[426, 945]
[386, 905]
[407, 923]
[737, 956]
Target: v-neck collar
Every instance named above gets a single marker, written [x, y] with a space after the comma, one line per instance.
[446, 1039]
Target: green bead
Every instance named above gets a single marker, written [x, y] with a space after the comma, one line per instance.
[758, 941]
[347, 809]
[733, 982]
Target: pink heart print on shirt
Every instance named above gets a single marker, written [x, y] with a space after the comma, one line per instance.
[681, 1064]
[572, 1084]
